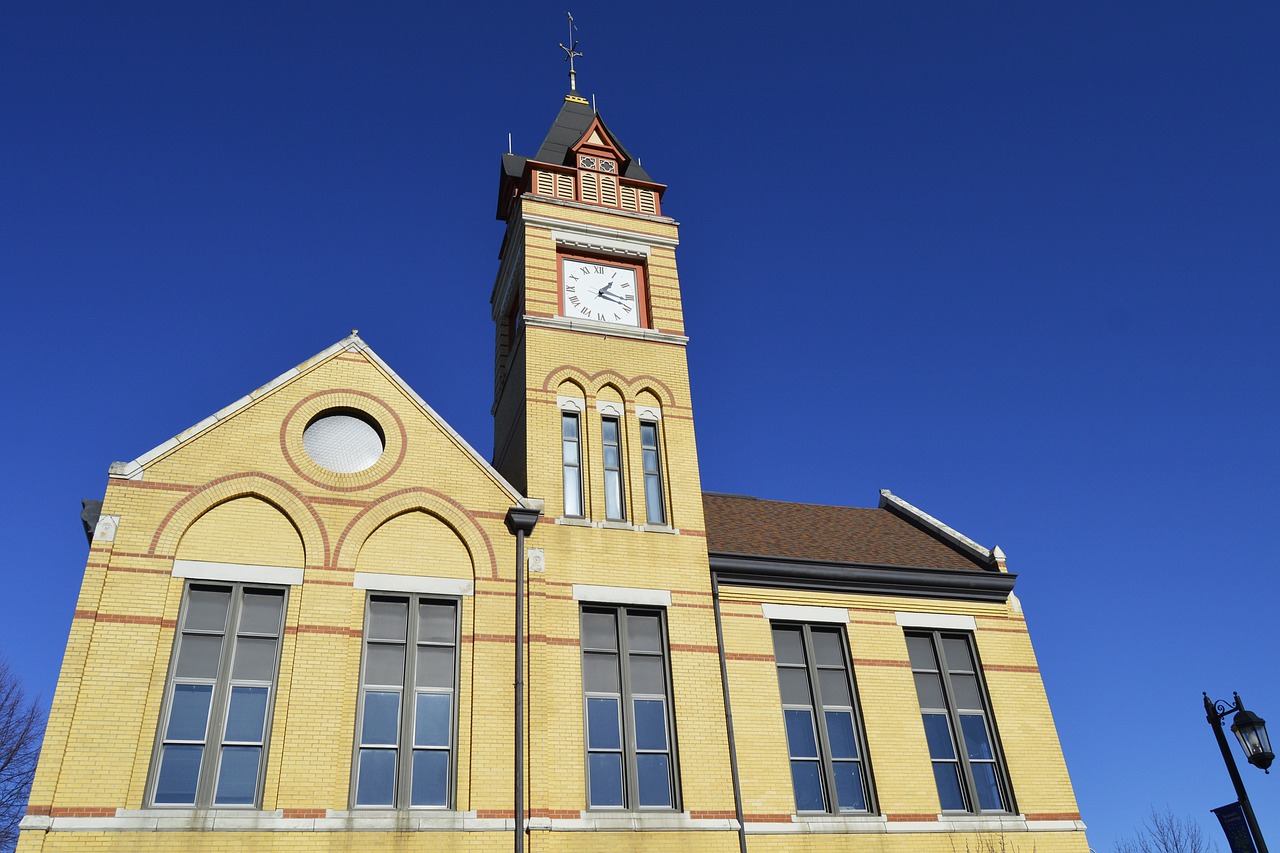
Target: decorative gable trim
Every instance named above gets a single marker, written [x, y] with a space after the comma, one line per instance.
[926, 522]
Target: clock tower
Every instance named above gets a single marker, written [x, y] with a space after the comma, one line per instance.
[592, 415]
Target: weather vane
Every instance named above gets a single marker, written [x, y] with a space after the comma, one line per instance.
[570, 53]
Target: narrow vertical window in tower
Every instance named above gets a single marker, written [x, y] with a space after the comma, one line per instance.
[571, 451]
[610, 438]
[655, 508]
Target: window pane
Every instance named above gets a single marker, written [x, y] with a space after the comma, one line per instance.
[570, 458]
[388, 619]
[957, 651]
[977, 743]
[826, 648]
[600, 673]
[787, 646]
[610, 455]
[920, 650]
[648, 435]
[653, 778]
[432, 722]
[246, 715]
[650, 458]
[603, 730]
[238, 776]
[984, 779]
[929, 691]
[605, 772]
[430, 778]
[260, 613]
[937, 732]
[613, 495]
[375, 784]
[436, 623]
[435, 666]
[840, 734]
[384, 664]
[850, 796]
[646, 675]
[794, 684]
[207, 609]
[808, 786]
[651, 724]
[834, 687]
[381, 718]
[569, 426]
[800, 738]
[189, 712]
[653, 500]
[255, 659]
[965, 688]
[644, 633]
[198, 656]
[598, 631]
[179, 771]
[949, 794]
[572, 492]
[609, 431]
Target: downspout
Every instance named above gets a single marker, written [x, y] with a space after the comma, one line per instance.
[728, 715]
[520, 522]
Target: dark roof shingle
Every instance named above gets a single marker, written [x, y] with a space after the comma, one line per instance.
[837, 534]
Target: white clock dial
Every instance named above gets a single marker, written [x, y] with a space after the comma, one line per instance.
[600, 292]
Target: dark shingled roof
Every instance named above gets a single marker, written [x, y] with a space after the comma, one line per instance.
[572, 122]
[738, 524]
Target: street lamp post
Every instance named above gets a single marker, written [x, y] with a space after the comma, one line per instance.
[1251, 730]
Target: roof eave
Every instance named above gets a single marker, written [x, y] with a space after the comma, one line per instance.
[913, 515]
[863, 578]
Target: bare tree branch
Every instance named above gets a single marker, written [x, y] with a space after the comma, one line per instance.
[21, 728]
[1165, 832]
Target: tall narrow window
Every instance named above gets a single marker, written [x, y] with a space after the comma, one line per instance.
[655, 510]
[627, 697]
[610, 438]
[571, 450]
[957, 724]
[217, 709]
[824, 733]
[406, 737]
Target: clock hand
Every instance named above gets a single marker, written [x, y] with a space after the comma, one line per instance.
[612, 299]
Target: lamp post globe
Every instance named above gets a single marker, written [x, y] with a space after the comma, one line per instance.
[1251, 730]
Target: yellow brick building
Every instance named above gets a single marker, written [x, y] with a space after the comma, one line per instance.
[301, 619]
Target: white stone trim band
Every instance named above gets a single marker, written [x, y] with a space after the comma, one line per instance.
[414, 583]
[609, 407]
[805, 613]
[236, 572]
[571, 404]
[940, 621]
[648, 413]
[622, 595]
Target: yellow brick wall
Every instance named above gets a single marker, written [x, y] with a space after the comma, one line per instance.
[243, 491]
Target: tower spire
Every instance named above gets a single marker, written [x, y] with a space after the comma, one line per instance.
[570, 52]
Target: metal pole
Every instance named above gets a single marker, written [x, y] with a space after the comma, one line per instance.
[520, 521]
[1215, 721]
[728, 716]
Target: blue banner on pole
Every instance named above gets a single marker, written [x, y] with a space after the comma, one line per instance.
[1236, 827]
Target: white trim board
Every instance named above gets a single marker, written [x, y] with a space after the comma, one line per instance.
[622, 595]
[805, 613]
[236, 572]
[940, 621]
[414, 583]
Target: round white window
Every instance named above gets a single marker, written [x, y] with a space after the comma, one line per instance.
[343, 441]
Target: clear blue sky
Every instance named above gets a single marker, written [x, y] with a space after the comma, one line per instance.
[1017, 262]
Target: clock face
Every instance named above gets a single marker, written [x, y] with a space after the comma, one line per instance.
[600, 292]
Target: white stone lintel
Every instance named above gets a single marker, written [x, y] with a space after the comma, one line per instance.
[622, 595]
[938, 621]
[414, 583]
[236, 572]
[805, 613]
